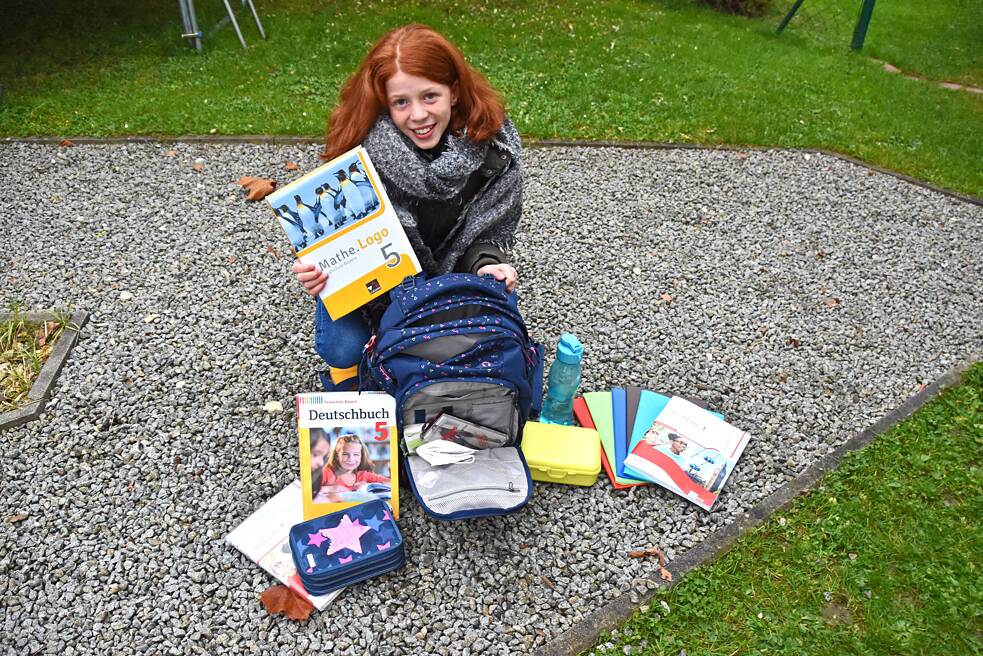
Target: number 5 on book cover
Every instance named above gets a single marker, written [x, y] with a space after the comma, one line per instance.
[339, 218]
[348, 450]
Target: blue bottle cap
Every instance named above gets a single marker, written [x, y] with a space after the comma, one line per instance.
[570, 350]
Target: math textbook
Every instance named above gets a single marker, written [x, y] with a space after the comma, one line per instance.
[348, 450]
[339, 218]
[686, 450]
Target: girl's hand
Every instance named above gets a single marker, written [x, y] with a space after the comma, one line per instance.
[504, 272]
[312, 279]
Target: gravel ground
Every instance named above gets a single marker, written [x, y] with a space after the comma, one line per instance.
[810, 296]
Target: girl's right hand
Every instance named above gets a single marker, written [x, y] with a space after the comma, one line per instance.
[312, 279]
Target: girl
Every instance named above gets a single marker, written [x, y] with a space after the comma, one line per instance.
[319, 452]
[349, 468]
[449, 158]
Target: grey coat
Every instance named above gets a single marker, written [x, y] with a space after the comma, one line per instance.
[492, 215]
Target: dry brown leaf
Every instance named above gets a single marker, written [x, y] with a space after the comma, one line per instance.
[291, 166]
[170, 153]
[832, 302]
[13, 519]
[548, 582]
[782, 377]
[281, 600]
[741, 154]
[256, 188]
[820, 255]
[198, 166]
[665, 297]
[66, 143]
[654, 551]
[794, 343]
[232, 259]
[273, 251]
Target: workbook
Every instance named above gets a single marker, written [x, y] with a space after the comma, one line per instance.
[339, 219]
[264, 538]
[685, 449]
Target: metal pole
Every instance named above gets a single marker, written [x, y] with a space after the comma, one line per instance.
[790, 14]
[235, 25]
[259, 25]
[860, 32]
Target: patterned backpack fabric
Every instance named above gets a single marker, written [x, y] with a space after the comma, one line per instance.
[456, 344]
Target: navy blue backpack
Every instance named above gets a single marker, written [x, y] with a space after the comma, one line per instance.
[456, 344]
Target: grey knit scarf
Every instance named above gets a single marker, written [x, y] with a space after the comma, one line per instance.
[492, 215]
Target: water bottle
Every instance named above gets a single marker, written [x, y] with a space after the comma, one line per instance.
[564, 379]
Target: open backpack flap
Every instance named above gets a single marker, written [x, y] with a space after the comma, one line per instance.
[456, 344]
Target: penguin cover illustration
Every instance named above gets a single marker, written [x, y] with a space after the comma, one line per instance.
[348, 453]
[689, 451]
[338, 218]
[263, 538]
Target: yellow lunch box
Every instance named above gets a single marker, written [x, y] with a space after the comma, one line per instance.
[562, 454]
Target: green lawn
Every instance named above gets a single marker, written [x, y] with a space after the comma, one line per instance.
[654, 70]
[881, 558]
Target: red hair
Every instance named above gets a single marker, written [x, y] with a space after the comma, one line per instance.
[421, 51]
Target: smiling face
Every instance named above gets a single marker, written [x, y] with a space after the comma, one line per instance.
[419, 107]
[350, 456]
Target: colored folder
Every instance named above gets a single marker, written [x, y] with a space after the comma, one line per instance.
[599, 406]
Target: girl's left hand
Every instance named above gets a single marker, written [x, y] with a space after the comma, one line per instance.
[504, 272]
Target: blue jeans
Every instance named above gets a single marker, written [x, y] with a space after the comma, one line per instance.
[340, 342]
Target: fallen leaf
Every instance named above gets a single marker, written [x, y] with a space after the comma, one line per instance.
[665, 574]
[232, 259]
[66, 143]
[762, 330]
[256, 188]
[832, 302]
[273, 251]
[548, 582]
[820, 255]
[13, 519]
[281, 600]
[741, 154]
[273, 406]
[782, 377]
[170, 153]
[291, 166]
[198, 166]
[794, 343]
[665, 297]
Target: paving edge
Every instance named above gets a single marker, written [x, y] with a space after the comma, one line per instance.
[41, 388]
[584, 634]
[529, 143]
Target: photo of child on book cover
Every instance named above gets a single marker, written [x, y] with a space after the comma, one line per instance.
[347, 464]
[706, 467]
[333, 196]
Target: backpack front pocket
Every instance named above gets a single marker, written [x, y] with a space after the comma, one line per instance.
[496, 483]
[488, 404]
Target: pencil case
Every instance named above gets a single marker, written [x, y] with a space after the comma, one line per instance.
[345, 547]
